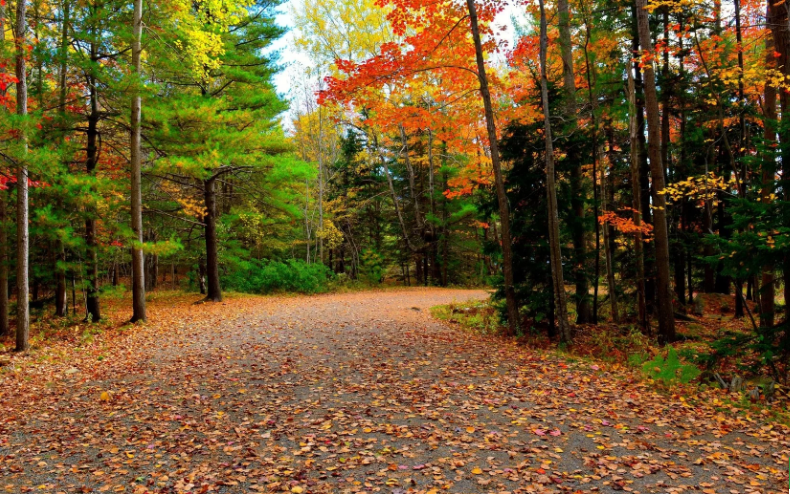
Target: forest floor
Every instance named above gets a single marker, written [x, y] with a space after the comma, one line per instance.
[358, 392]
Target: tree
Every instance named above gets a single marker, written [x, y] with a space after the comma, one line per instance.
[22, 211]
[504, 209]
[138, 259]
[558, 282]
[665, 315]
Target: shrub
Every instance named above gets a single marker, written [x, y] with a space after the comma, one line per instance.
[264, 276]
[670, 369]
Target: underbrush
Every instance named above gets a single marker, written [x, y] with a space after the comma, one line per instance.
[698, 361]
[265, 276]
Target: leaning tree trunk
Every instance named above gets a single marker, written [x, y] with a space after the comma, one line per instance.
[22, 238]
[138, 257]
[665, 315]
[214, 292]
[560, 307]
[504, 210]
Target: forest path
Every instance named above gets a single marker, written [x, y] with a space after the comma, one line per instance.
[360, 392]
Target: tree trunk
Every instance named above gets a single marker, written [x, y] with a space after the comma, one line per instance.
[201, 276]
[557, 280]
[636, 204]
[154, 271]
[665, 314]
[781, 34]
[593, 108]
[504, 210]
[23, 241]
[768, 295]
[61, 296]
[92, 297]
[214, 293]
[4, 326]
[582, 296]
[138, 257]
[609, 249]
[644, 170]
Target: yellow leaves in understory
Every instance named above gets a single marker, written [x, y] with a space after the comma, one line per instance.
[700, 188]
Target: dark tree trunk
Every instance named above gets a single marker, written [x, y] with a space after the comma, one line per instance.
[4, 326]
[722, 284]
[92, 307]
[214, 293]
[738, 298]
[504, 210]
[201, 276]
[636, 204]
[61, 296]
[665, 313]
[557, 280]
[680, 273]
[644, 171]
[768, 292]
[583, 309]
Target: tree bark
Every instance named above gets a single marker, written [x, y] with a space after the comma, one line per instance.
[92, 299]
[644, 169]
[768, 292]
[61, 296]
[636, 205]
[138, 257]
[665, 314]
[577, 191]
[214, 292]
[4, 326]
[609, 249]
[504, 210]
[22, 211]
[201, 275]
[560, 307]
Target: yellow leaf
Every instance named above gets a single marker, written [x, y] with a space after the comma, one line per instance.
[105, 396]
[470, 430]
[477, 471]
[297, 489]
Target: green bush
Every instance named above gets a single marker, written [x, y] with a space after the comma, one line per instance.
[670, 369]
[263, 276]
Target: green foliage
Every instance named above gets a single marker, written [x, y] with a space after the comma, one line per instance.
[769, 349]
[264, 276]
[371, 269]
[670, 369]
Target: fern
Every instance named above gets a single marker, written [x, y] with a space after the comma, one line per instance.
[670, 369]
